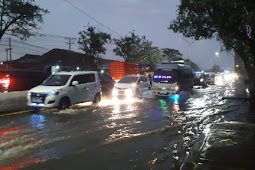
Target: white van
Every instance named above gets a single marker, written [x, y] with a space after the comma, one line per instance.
[64, 89]
[131, 85]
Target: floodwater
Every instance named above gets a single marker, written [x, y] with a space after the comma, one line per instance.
[134, 133]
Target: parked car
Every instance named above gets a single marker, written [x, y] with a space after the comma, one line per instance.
[131, 85]
[20, 80]
[200, 79]
[107, 84]
[64, 89]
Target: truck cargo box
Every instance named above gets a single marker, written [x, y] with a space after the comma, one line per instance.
[121, 69]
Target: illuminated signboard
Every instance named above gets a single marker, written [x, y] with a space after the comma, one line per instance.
[162, 77]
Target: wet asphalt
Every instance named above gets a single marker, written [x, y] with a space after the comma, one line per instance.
[136, 133]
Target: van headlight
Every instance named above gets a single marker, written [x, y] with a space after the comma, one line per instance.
[29, 93]
[129, 92]
[53, 93]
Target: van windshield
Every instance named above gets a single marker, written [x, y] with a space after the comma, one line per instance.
[56, 80]
[165, 76]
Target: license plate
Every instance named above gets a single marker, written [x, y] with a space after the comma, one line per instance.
[163, 89]
[121, 92]
[37, 99]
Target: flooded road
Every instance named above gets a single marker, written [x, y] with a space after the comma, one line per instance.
[138, 133]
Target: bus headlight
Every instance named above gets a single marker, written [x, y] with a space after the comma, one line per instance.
[176, 88]
[129, 92]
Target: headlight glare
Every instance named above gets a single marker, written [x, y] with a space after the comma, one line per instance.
[129, 92]
[114, 92]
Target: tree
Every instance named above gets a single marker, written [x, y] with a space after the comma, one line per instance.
[172, 54]
[20, 17]
[231, 21]
[191, 64]
[93, 44]
[136, 49]
[129, 47]
[150, 57]
[216, 69]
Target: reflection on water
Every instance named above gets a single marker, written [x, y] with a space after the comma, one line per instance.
[38, 121]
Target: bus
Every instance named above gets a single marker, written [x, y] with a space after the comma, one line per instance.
[170, 79]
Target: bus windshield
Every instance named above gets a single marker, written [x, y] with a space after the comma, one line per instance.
[165, 76]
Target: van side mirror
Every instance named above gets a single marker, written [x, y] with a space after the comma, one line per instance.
[75, 83]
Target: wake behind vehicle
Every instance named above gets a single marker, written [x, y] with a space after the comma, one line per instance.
[131, 85]
[170, 79]
[64, 89]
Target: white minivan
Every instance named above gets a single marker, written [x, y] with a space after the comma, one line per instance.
[64, 89]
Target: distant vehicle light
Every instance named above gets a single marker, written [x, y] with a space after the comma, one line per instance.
[133, 85]
[201, 80]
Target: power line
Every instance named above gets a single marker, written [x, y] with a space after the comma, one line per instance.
[31, 45]
[92, 17]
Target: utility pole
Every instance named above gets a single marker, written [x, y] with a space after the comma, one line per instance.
[70, 41]
[7, 58]
[10, 48]
[8, 64]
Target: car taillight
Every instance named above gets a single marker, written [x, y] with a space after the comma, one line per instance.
[5, 81]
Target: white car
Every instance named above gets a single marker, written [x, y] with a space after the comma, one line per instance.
[64, 89]
[131, 85]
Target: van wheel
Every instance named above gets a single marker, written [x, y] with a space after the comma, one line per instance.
[97, 98]
[64, 104]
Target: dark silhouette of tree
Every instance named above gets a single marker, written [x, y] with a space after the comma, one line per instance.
[231, 21]
[93, 43]
[20, 17]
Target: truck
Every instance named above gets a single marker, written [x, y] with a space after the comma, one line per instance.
[119, 69]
